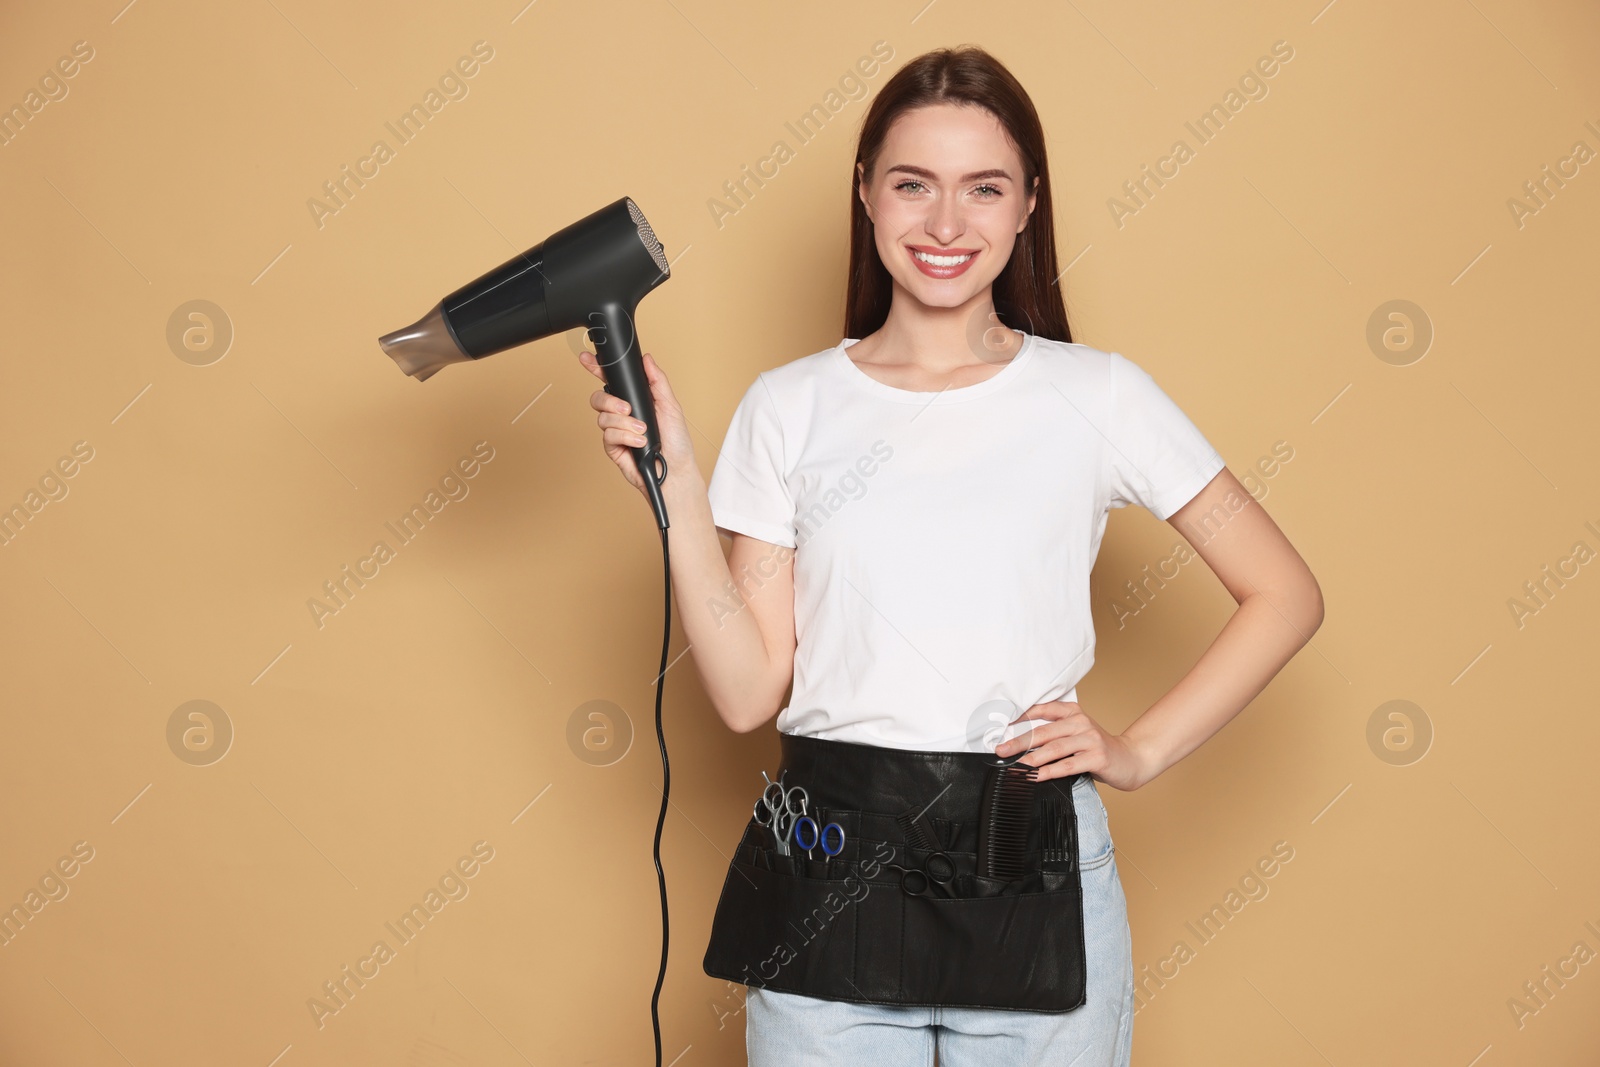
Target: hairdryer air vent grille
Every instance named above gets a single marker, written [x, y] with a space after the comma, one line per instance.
[648, 236]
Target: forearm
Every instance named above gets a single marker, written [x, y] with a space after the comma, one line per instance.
[1261, 636]
[736, 669]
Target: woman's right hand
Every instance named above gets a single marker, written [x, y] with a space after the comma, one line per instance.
[621, 433]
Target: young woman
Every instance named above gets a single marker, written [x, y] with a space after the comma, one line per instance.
[914, 514]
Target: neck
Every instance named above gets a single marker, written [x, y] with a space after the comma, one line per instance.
[939, 338]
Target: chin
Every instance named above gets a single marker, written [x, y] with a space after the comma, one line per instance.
[940, 295]
[943, 299]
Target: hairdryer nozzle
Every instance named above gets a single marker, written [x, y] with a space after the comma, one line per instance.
[424, 347]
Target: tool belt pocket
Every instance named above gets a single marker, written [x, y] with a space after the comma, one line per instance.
[846, 929]
[1016, 945]
[789, 923]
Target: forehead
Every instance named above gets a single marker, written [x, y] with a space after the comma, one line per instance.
[950, 140]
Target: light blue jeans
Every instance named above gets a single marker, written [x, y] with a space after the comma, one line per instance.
[784, 1029]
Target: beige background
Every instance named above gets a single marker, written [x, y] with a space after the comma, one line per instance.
[369, 755]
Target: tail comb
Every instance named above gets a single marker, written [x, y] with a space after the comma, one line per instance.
[919, 835]
[917, 828]
[1058, 846]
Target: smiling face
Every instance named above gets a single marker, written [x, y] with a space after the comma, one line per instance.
[946, 200]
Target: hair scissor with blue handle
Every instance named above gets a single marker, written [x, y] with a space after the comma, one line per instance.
[806, 827]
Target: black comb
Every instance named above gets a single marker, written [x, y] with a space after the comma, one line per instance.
[917, 828]
[919, 834]
[1003, 821]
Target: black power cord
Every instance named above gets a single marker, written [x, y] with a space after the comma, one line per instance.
[666, 784]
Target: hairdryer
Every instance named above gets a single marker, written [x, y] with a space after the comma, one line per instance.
[592, 274]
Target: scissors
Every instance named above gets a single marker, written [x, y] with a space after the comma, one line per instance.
[778, 809]
[806, 826]
[938, 867]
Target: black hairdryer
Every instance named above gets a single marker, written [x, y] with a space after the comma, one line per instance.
[591, 274]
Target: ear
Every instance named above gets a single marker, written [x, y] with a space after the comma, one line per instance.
[1033, 201]
[861, 190]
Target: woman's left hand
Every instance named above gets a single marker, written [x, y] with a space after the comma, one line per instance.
[1069, 742]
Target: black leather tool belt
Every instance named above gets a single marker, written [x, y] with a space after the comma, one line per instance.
[891, 920]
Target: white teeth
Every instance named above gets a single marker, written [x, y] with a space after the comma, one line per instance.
[941, 261]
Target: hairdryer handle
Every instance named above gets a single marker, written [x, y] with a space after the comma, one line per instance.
[617, 351]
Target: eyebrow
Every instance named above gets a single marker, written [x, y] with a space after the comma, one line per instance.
[922, 172]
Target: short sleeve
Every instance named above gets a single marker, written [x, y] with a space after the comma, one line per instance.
[749, 490]
[1155, 456]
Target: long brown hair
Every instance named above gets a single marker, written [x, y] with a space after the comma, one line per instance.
[1026, 295]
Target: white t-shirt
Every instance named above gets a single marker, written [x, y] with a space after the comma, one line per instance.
[943, 541]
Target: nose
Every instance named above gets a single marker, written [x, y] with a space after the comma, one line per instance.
[945, 222]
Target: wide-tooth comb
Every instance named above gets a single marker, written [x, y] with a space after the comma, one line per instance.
[1003, 821]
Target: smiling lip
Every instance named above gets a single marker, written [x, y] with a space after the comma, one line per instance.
[945, 268]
